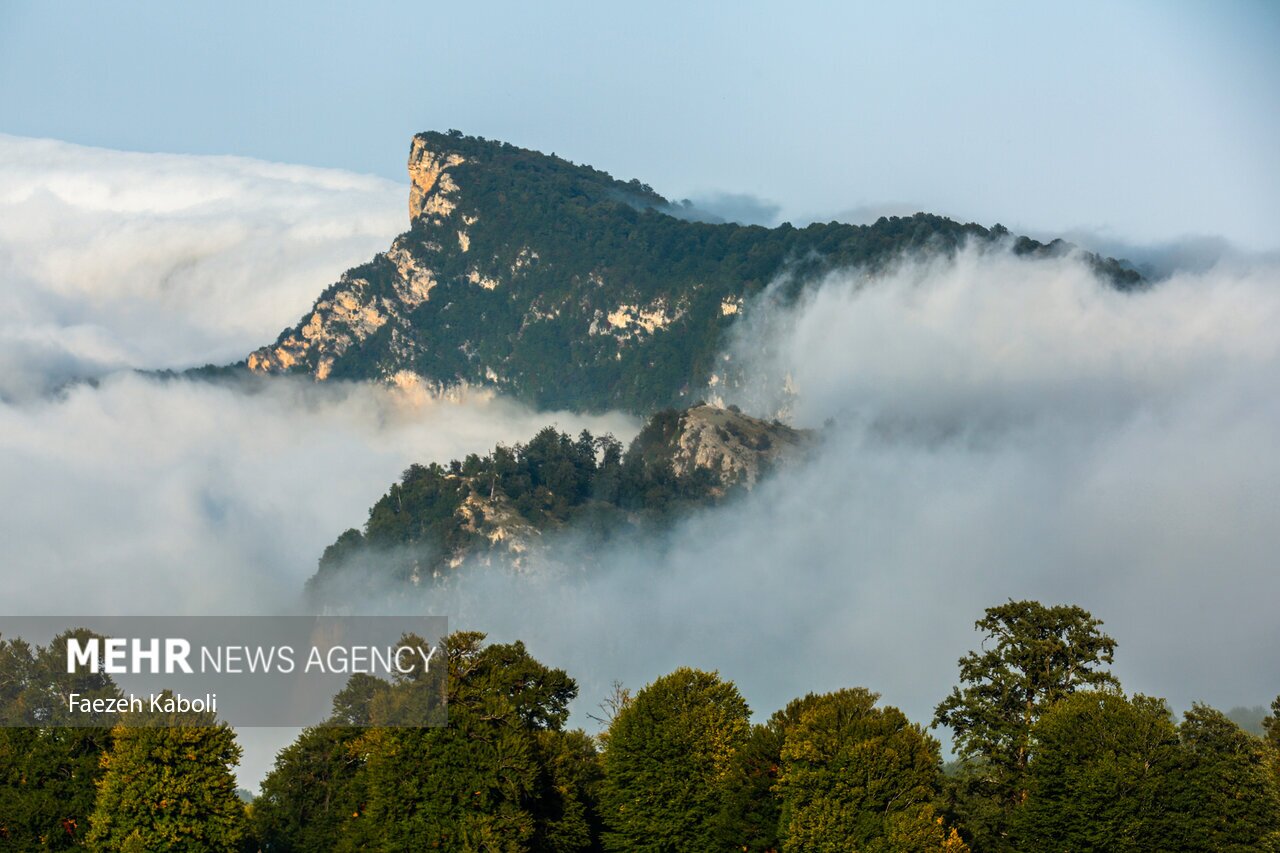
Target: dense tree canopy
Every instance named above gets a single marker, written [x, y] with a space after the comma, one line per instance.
[858, 777]
[750, 815]
[1100, 776]
[1032, 656]
[48, 774]
[501, 775]
[1272, 725]
[1225, 794]
[436, 512]
[561, 247]
[667, 759]
[169, 787]
[681, 768]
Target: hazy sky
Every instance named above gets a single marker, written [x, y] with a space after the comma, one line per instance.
[1145, 121]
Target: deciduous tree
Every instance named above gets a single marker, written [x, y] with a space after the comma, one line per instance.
[169, 787]
[858, 777]
[666, 760]
[1031, 657]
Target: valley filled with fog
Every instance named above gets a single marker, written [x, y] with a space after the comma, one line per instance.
[992, 427]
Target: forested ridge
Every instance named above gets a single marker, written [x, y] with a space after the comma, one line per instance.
[569, 289]
[437, 516]
[1052, 754]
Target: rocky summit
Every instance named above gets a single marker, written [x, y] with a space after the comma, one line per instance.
[504, 508]
[566, 288]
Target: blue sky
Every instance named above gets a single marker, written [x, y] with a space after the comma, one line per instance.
[1146, 121]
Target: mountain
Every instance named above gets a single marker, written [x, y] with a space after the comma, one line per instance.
[561, 286]
[500, 508]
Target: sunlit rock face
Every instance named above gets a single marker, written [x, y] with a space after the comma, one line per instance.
[559, 285]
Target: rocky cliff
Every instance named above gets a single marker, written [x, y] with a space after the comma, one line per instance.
[503, 509]
[562, 286]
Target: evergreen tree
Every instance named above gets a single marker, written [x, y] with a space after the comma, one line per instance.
[666, 761]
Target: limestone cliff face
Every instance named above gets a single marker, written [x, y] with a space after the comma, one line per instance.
[431, 187]
[737, 448]
[379, 297]
[562, 286]
[518, 506]
[506, 536]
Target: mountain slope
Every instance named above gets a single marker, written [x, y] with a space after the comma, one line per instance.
[498, 508]
[566, 288]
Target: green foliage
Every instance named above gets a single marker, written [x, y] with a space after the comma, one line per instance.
[667, 759]
[1115, 774]
[48, 774]
[569, 244]
[313, 792]
[1225, 795]
[1272, 725]
[1032, 657]
[551, 482]
[169, 787]
[682, 769]
[1100, 776]
[750, 815]
[858, 777]
[487, 781]
[502, 775]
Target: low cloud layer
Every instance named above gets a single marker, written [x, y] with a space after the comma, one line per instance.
[142, 496]
[996, 427]
[718, 207]
[134, 495]
[112, 259]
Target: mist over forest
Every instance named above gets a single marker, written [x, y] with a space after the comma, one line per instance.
[993, 427]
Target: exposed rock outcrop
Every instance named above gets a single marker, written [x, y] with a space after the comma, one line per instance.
[564, 287]
[736, 447]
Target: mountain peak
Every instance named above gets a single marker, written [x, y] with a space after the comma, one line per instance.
[430, 184]
[563, 286]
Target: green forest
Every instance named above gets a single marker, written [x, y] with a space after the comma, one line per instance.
[1051, 754]
[553, 481]
[563, 245]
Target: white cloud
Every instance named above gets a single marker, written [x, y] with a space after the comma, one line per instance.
[1003, 428]
[134, 495]
[112, 259]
